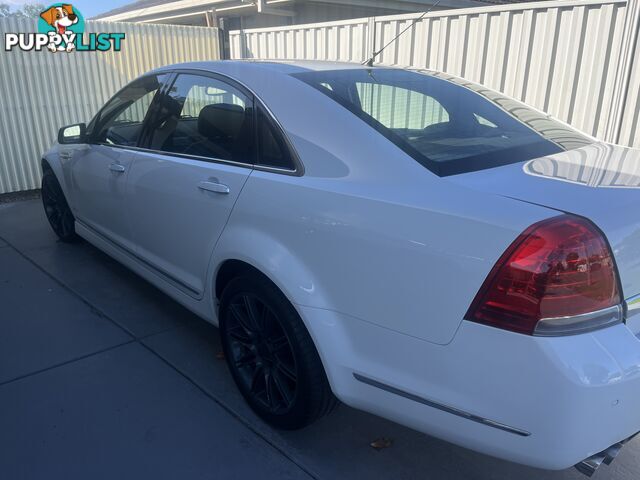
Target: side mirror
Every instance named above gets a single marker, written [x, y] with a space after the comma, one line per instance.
[73, 134]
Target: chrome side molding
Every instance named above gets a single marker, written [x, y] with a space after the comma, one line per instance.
[445, 408]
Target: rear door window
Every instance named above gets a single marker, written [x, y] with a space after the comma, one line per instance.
[204, 117]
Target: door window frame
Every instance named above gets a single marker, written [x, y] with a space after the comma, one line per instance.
[93, 123]
[142, 144]
[254, 102]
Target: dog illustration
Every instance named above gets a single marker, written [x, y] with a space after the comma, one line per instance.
[60, 18]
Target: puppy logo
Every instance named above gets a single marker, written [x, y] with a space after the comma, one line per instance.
[61, 18]
[61, 28]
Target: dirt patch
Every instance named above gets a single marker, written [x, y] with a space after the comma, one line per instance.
[19, 196]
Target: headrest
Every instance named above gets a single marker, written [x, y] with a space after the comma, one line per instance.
[221, 118]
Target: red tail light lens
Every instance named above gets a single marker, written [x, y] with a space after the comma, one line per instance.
[557, 270]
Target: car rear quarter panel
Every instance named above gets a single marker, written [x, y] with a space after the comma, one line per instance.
[369, 253]
[366, 231]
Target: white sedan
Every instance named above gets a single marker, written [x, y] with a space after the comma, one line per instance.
[409, 243]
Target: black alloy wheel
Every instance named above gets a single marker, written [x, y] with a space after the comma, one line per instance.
[271, 355]
[262, 354]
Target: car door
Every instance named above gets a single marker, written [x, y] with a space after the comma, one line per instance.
[200, 152]
[98, 172]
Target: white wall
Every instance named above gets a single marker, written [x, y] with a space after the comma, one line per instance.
[564, 57]
[42, 91]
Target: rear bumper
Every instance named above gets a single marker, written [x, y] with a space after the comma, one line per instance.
[544, 402]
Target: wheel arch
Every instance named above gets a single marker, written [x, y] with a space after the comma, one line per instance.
[46, 166]
[247, 246]
[233, 268]
[248, 252]
[51, 163]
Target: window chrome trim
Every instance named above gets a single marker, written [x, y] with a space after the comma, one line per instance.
[178, 155]
[440, 406]
[173, 73]
[577, 324]
[299, 170]
[251, 166]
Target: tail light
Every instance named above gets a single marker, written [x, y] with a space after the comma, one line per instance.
[558, 278]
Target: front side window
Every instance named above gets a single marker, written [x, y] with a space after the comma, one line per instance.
[449, 128]
[120, 121]
[204, 117]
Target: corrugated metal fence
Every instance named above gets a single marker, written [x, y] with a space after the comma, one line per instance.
[41, 91]
[572, 59]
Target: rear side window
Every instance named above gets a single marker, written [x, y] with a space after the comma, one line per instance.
[204, 117]
[447, 127]
[272, 148]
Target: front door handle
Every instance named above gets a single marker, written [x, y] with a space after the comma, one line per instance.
[214, 187]
[116, 167]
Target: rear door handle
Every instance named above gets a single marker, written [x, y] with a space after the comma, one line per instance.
[214, 187]
[116, 167]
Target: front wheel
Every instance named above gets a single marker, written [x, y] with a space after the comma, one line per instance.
[271, 355]
[57, 209]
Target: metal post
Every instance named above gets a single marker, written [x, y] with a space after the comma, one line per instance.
[370, 47]
[628, 49]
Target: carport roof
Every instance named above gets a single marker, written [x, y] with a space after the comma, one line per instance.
[137, 9]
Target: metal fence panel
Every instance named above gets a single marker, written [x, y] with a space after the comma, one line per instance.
[630, 128]
[559, 56]
[42, 91]
[342, 41]
[627, 129]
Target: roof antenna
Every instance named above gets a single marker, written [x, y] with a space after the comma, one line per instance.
[369, 62]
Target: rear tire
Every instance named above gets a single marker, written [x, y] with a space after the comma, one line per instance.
[57, 209]
[271, 355]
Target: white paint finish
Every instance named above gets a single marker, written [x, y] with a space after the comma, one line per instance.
[382, 259]
[576, 395]
[42, 92]
[97, 194]
[202, 308]
[338, 228]
[563, 57]
[600, 182]
[360, 211]
[175, 224]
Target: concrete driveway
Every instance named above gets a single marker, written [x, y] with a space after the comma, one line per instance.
[103, 376]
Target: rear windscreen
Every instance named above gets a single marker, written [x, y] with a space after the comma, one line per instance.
[448, 127]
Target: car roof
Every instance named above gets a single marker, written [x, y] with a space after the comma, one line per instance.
[285, 67]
